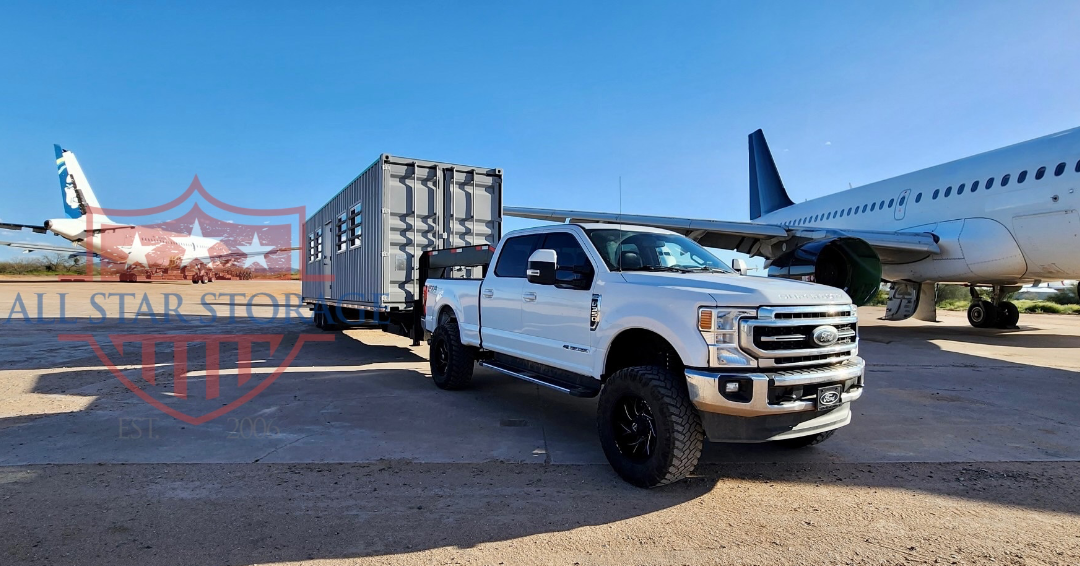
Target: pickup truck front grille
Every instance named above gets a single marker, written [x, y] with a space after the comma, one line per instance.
[784, 336]
[777, 338]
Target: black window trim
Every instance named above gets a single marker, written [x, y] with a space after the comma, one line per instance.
[502, 254]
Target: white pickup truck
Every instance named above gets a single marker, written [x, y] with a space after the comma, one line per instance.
[677, 344]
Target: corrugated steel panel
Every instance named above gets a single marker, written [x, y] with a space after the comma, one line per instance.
[406, 207]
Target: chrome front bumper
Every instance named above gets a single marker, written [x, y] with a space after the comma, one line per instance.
[705, 392]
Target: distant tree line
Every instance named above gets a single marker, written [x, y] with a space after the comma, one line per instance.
[49, 264]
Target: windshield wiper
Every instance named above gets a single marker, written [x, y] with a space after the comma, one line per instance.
[708, 269]
[656, 268]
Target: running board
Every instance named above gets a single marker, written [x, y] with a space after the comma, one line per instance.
[532, 377]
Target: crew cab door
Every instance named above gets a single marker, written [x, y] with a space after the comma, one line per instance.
[556, 317]
[500, 297]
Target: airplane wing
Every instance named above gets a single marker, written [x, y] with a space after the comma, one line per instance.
[40, 228]
[766, 240]
[32, 247]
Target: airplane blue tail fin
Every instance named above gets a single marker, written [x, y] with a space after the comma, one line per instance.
[767, 193]
[67, 189]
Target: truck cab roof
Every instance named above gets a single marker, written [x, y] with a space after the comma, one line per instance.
[591, 226]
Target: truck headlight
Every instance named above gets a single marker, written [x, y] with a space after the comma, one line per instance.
[720, 329]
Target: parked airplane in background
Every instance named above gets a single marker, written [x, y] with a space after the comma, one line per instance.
[998, 219]
[138, 248]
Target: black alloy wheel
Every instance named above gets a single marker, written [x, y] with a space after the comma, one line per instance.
[635, 428]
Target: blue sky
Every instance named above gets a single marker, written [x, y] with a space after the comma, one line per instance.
[276, 105]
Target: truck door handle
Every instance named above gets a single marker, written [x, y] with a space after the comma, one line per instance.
[488, 293]
[529, 297]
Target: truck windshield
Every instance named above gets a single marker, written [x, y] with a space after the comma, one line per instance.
[631, 250]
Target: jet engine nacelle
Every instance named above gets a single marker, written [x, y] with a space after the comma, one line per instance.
[845, 263]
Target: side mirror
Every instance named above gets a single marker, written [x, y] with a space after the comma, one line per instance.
[541, 269]
[739, 265]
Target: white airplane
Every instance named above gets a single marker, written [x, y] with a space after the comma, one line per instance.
[138, 248]
[999, 219]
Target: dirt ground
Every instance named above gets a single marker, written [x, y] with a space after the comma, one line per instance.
[492, 513]
[964, 450]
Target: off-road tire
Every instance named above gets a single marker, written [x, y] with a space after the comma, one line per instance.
[804, 441]
[451, 361]
[677, 425]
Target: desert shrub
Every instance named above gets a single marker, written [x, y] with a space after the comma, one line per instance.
[880, 299]
[1064, 297]
[55, 264]
[954, 304]
[1046, 307]
[947, 293]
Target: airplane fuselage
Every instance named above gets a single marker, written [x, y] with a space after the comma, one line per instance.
[1003, 217]
[140, 246]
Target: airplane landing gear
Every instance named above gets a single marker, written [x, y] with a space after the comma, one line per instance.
[982, 314]
[1008, 315]
[992, 314]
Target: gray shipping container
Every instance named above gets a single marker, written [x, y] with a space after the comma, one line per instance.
[363, 246]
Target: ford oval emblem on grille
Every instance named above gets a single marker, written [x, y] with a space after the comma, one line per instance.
[825, 335]
[830, 398]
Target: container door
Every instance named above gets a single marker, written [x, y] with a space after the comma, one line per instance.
[470, 211]
[449, 210]
[324, 238]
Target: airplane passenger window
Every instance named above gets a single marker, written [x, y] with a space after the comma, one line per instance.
[975, 186]
[890, 202]
[936, 192]
[1077, 168]
[1022, 176]
[881, 204]
[918, 197]
[960, 189]
[1039, 174]
[856, 209]
[902, 200]
[1059, 169]
[873, 205]
[948, 191]
[849, 211]
[989, 183]
[1005, 179]
[864, 208]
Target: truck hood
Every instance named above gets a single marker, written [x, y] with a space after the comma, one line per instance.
[743, 290]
